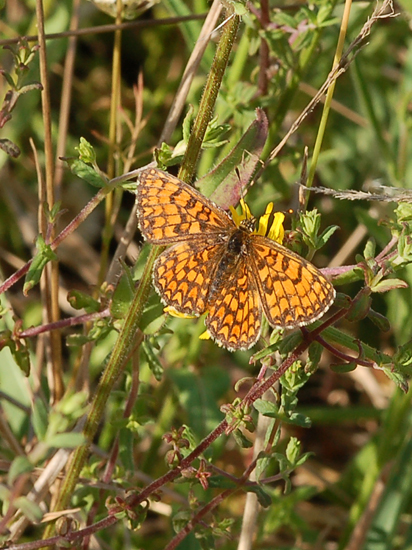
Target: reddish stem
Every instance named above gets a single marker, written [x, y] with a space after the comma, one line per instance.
[64, 323]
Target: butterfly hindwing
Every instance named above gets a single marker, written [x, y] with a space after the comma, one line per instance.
[225, 270]
[293, 291]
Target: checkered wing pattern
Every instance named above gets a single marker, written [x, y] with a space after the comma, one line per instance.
[235, 312]
[170, 211]
[294, 292]
[226, 271]
[182, 274]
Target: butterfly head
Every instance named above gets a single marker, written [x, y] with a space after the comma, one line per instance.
[248, 224]
[270, 224]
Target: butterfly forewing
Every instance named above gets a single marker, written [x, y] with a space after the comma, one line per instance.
[171, 211]
[226, 271]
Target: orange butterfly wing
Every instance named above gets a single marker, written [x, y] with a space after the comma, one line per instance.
[294, 292]
[183, 273]
[229, 272]
[170, 211]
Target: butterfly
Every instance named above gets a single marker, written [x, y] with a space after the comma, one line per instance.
[226, 269]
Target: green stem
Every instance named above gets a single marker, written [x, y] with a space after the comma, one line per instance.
[113, 199]
[329, 95]
[111, 373]
[288, 95]
[124, 343]
[207, 103]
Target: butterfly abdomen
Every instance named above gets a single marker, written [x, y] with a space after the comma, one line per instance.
[234, 249]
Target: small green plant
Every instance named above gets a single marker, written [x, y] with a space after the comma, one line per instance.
[133, 426]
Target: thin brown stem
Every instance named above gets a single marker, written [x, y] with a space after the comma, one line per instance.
[91, 31]
[343, 356]
[50, 287]
[64, 323]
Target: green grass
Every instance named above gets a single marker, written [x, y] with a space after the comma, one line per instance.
[146, 433]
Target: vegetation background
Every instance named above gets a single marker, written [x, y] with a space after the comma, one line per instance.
[115, 90]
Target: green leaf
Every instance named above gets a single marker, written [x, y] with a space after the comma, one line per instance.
[293, 450]
[73, 404]
[314, 356]
[404, 212]
[370, 249]
[153, 317]
[5, 493]
[242, 440]
[403, 354]
[326, 235]
[355, 274]
[76, 340]
[30, 509]
[86, 172]
[289, 343]
[66, 440]
[9, 79]
[126, 441]
[282, 18]
[40, 418]
[269, 350]
[221, 482]
[294, 379]
[266, 408]
[20, 465]
[240, 9]
[187, 123]
[123, 295]
[53, 213]
[86, 152]
[180, 520]
[404, 249]
[379, 320]
[299, 419]
[398, 378]
[360, 309]
[343, 368]
[30, 88]
[310, 224]
[166, 156]
[389, 284]
[262, 463]
[20, 353]
[223, 185]
[152, 360]
[264, 499]
[80, 300]
[44, 255]
[214, 134]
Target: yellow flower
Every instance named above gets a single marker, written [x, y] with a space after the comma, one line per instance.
[174, 313]
[245, 214]
[275, 232]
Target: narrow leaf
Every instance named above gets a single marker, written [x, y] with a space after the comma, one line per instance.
[222, 184]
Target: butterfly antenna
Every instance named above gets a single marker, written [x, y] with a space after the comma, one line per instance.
[303, 194]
